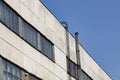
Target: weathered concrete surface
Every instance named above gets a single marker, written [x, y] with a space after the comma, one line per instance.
[19, 52]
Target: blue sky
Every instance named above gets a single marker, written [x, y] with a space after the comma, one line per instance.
[98, 24]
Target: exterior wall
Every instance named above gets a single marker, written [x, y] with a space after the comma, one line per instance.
[16, 50]
[91, 67]
[27, 57]
[42, 20]
[72, 48]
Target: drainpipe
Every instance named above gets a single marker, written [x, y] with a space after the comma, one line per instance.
[67, 38]
[78, 56]
[67, 42]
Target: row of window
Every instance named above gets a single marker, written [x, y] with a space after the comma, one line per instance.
[12, 72]
[72, 70]
[14, 22]
[34, 38]
[84, 76]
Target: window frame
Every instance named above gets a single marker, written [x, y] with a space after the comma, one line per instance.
[10, 65]
[2, 12]
[23, 33]
[69, 62]
[84, 75]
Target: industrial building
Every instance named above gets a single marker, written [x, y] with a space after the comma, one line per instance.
[34, 45]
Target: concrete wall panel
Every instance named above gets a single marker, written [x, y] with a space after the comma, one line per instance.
[72, 49]
[60, 59]
[91, 67]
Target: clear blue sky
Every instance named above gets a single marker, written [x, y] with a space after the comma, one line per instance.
[98, 24]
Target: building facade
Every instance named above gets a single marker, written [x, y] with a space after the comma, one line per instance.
[34, 45]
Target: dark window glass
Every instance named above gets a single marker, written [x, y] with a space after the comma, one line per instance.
[72, 68]
[83, 76]
[10, 71]
[50, 52]
[4, 75]
[12, 20]
[4, 65]
[47, 48]
[79, 75]
[2, 11]
[9, 67]
[14, 78]
[33, 78]
[14, 70]
[44, 46]
[25, 30]
[16, 25]
[29, 34]
[9, 77]
[33, 36]
[18, 73]
[7, 16]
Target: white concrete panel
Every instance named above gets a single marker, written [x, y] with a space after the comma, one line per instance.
[52, 25]
[91, 67]
[15, 4]
[35, 68]
[10, 52]
[26, 14]
[10, 36]
[60, 59]
[44, 61]
[36, 7]
[36, 14]
[25, 49]
[72, 48]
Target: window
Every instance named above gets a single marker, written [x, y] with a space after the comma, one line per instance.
[39, 41]
[22, 28]
[50, 50]
[33, 78]
[2, 11]
[33, 37]
[83, 76]
[7, 15]
[16, 23]
[29, 34]
[72, 68]
[44, 45]
[10, 71]
[47, 48]
[11, 20]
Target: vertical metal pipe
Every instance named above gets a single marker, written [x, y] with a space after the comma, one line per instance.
[67, 38]
[78, 56]
[67, 43]
[77, 50]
